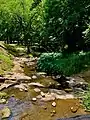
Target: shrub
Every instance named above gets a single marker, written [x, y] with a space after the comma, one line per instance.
[57, 63]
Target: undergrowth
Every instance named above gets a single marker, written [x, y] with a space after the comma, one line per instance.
[57, 63]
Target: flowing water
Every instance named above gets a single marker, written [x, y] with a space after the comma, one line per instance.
[39, 110]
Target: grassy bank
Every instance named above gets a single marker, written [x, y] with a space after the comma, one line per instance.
[15, 50]
[6, 62]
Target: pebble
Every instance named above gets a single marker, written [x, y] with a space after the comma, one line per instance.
[34, 77]
[34, 99]
[74, 109]
[54, 111]
[5, 113]
[42, 94]
[52, 114]
[21, 66]
[54, 104]
[44, 107]
[37, 90]
[21, 90]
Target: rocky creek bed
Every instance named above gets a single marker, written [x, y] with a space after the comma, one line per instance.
[36, 96]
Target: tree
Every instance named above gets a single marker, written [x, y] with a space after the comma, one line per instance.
[65, 20]
[20, 21]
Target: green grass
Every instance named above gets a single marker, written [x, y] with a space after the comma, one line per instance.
[6, 62]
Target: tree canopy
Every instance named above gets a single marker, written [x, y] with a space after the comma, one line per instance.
[46, 23]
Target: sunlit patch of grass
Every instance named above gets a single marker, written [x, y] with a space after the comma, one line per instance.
[5, 62]
[15, 50]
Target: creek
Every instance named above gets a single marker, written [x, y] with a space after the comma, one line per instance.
[22, 106]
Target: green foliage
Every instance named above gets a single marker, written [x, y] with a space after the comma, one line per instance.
[86, 100]
[56, 63]
[46, 62]
[49, 23]
[18, 22]
[87, 36]
[64, 22]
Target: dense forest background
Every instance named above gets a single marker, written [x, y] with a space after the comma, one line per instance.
[47, 25]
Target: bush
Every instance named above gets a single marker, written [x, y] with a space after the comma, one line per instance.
[57, 63]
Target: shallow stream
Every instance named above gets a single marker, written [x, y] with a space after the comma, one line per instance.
[23, 108]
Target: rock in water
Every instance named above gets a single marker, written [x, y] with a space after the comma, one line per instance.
[54, 112]
[34, 99]
[54, 104]
[5, 113]
[73, 110]
[34, 77]
[37, 90]
[22, 87]
[42, 94]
